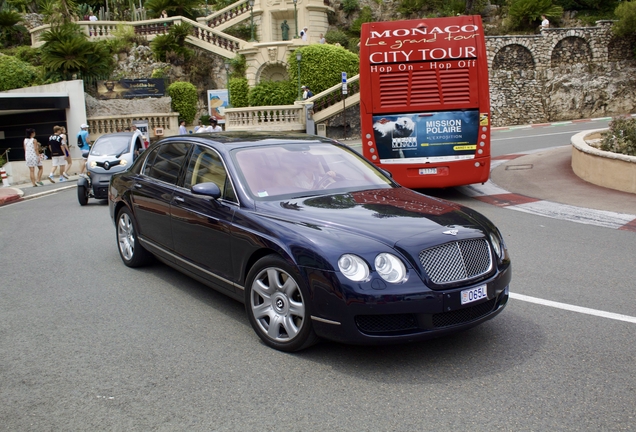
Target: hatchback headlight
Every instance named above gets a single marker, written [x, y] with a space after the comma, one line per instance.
[353, 267]
[93, 164]
[123, 162]
[390, 268]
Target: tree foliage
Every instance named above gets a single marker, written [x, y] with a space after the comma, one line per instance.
[10, 32]
[321, 66]
[626, 14]
[15, 73]
[526, 14]
[186, 8]
[184, 100]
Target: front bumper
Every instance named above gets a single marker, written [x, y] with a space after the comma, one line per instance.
[391, 314]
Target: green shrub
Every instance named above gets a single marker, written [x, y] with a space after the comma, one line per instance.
[184, 100]
[15, 73]
[337, 37]
[321, 66]
[626, 14]
[365, 16]
[238, 66]
[172, 45]
[273, 93]
[239, 92]
[349, 6]
[621, 137]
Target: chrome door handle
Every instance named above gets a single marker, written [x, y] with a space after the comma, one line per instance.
[179, 199]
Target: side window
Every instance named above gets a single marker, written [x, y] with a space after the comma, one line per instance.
[167, 163]
[206, 166]
[150, 160]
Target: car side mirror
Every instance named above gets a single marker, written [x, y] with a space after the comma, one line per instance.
[85, 154]
[208, 189]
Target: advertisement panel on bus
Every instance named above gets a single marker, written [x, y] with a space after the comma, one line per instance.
[426, 137]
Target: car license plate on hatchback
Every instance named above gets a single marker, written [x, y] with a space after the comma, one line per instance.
[426, 171]
[474, 294]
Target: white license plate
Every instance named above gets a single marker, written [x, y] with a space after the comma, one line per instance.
[474, 294]
[425, 171]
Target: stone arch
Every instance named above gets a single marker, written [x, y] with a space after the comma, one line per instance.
[272, 71]
[571, 50]
[513, 57]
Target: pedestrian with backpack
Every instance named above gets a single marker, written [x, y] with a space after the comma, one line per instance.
[84, 145]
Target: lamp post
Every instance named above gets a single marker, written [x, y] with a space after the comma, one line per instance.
[252, 20]
[299, 57]
[227, 80]
[296, 18]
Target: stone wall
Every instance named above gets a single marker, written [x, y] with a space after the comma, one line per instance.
[561, 74]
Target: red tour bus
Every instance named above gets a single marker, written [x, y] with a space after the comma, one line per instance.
[424, 100]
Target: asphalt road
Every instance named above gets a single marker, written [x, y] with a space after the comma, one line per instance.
[89, 344]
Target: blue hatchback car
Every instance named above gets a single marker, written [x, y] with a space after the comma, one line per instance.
[313, 238]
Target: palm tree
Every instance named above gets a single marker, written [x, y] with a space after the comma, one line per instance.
[9, 31]
[186, 8]
[67, 52]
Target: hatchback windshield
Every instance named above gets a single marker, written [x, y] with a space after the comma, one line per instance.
[111, 145]
[302, 169]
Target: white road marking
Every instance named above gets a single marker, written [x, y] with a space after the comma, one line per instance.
[573, 308]
[534, 136]
[571, 213]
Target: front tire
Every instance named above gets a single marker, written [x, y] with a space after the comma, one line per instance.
[132, 253]
[82, 195]
[276, 305]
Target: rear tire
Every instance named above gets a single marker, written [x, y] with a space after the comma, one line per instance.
[82, 195]
[276, 305]
[132, 253]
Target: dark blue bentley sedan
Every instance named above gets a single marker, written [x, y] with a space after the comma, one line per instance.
[316, 241]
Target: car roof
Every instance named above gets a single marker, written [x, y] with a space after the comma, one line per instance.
[234, 140]
[120, 134]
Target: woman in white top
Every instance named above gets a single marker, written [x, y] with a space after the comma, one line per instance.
[32, 157]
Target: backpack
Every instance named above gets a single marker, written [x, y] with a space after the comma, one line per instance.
[80, 141]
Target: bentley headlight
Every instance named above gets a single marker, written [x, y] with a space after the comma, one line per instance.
[497, 245]
[390, 268]
[353, 267]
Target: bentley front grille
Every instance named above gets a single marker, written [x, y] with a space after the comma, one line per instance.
[457, 261]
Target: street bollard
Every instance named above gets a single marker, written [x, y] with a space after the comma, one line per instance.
[5, 178]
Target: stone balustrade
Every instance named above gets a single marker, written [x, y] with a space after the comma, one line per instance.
[108, 124]
[266, 118]
[226, 14]
[98, 30]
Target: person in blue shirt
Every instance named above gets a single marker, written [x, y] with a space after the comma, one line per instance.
[84, 145]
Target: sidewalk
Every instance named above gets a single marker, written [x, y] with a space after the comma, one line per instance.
[15, 193]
